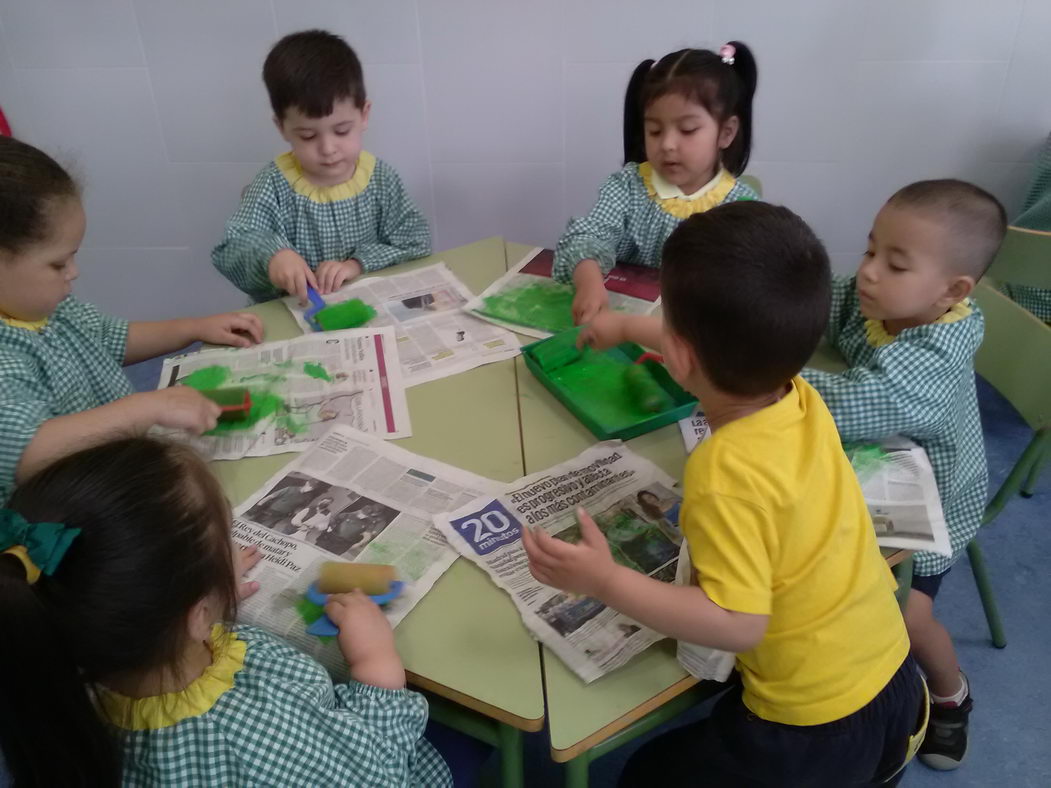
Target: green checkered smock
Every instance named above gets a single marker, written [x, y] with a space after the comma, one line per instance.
[282, 723]
[370, 218]
[920, 385]
[630, 222]
[72, 364]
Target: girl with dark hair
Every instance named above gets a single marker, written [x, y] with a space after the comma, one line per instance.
[687, 138]
[118, 583]
[61, 384]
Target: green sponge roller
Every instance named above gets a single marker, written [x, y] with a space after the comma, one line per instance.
[644, 390]
[348, 314]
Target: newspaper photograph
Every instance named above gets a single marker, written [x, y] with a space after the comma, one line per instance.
[898, 484]
[635, 506]
[527, 300]
[435, 337]
[351, 497]
[299, 388]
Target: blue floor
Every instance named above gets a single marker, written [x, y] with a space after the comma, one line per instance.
[1011, 723]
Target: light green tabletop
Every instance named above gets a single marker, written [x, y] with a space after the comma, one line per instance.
[582, 715]
[464, 641]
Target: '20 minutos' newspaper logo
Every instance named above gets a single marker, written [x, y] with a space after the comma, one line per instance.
[489, 528]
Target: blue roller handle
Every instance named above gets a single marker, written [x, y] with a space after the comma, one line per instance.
[324, 627]
[317, 303]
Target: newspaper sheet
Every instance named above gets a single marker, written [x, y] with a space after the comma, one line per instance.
[300, 387]
[351, 497]
[631, 288]
[435, 337]
[633, 503]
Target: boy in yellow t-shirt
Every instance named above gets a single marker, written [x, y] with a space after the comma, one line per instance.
[788, 572]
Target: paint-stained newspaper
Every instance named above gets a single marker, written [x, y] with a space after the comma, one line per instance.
[351, 497]
[434, 336]
[300, 388]
[634, 504]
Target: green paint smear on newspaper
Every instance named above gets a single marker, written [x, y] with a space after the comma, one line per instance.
[544, 305]
[865, 458]
[315, 370]
[265, 404]
[207, 378]
[596, 383]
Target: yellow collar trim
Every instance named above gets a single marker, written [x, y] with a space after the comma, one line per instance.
[682, 207]
[289, 166]
[163, 711]
[878, 336]
[30, 325]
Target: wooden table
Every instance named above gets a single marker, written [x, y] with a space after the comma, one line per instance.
[588, 720]
[464, 643]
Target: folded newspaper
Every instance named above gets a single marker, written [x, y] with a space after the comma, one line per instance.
[527, 300]
[632, 501]
[435, 337]
[351, 497]
[299, 387]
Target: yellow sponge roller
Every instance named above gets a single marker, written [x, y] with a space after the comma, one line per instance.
[337, 577]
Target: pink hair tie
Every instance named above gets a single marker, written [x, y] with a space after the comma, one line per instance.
[727, 51]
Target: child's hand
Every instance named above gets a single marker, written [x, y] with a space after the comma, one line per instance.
[333, 274]
[366, 640]
[237, 329]
[582, 568]
[180, 408]
[606, 330]
[590, 300]
[245, 559]
[289, 272]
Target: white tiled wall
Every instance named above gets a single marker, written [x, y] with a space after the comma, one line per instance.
[503, 116]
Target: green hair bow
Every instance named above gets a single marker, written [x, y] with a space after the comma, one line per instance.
[39, 546]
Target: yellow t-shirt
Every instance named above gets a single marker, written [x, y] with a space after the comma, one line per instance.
[777, 526]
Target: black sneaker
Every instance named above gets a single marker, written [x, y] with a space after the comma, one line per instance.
[945, 744]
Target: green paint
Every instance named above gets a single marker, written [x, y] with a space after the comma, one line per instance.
[349, 314]
[263, 377]
[265, 405]
[207, 377]
[544, 305]
[315, 370]
[596, 383]
[865, 458]
[310, 613]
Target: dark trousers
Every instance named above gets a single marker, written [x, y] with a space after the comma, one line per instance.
[736, 749]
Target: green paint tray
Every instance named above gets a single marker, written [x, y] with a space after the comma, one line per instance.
[593, 388]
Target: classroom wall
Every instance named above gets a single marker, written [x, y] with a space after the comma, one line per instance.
[504, 116]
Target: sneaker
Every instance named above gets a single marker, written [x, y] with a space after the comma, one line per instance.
[945, 744]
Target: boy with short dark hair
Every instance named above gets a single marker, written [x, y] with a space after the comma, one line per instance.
[789, 575]
[909, 332]
[326, 211]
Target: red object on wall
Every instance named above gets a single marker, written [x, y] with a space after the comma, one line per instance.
[5, 130]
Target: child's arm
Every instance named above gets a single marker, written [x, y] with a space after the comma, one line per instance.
[587, 250]
[609, 329]
[35, 441]
[402, 233]
[844, 305]
[908, 389]
[151, 339]
[682, 612]
[366, 640]
[597, 235]
[255, 254]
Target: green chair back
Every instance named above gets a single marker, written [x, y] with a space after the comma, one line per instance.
[1016, 355]
[1024, 259]
[754, 182]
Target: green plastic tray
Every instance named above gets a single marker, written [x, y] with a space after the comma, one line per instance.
[584, 403]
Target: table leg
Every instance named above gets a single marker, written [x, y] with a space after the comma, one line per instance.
[512, 765]
[577, 771]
